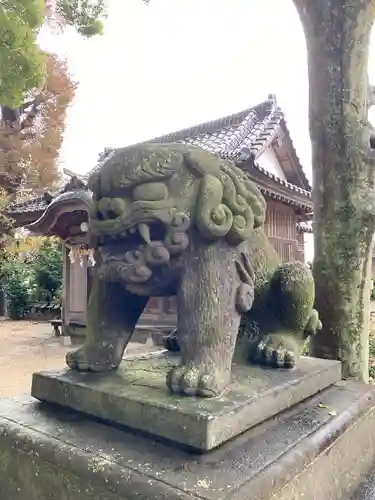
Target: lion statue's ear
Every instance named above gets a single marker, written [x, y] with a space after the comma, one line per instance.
[214, 219]
[201, 162]
[230, 205]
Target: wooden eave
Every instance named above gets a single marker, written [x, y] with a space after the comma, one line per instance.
[67, 206]
[272, 188]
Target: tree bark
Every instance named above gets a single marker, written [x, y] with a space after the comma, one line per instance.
[337, 38]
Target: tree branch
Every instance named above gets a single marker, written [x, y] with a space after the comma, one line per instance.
[28, 120]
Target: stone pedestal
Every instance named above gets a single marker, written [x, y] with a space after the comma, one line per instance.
[136, 396]
[274, 435]
[319, 449]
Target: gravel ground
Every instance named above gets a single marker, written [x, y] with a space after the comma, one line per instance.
[26, 347]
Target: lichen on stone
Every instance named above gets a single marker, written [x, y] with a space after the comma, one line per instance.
[172, 219]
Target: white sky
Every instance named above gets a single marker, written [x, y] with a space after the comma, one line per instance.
[177, 63]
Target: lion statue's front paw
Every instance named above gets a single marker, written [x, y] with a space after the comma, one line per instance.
[96, 357]
[195, 380]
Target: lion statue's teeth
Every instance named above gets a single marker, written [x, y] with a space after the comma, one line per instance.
[144, 231]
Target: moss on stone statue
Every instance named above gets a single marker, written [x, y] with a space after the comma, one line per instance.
[174, 219]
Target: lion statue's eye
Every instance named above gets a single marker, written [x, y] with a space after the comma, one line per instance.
[111, 207]
[150, 191]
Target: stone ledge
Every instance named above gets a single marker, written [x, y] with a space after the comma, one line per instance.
[366, 491]
[317, 450]
[136, 396]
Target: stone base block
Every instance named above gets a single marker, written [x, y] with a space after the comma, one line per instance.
[317, 450]
[366, 491]
[136, 396]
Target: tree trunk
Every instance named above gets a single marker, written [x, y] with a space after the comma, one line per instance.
[337, 37]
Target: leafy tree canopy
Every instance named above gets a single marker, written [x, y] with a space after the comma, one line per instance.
[31, 135]
[22, 63]
[48, 266]
[84, 15]
[30, 268]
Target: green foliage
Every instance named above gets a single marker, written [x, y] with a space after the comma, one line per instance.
[48, 268]
[30, 274]
[22, 63]
[85, 15]
[5, 259]
[372, 296]
[21, 60]
[5, 222]
[16, 287]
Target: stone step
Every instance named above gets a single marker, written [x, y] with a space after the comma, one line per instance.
[317, 450]
[366, 491]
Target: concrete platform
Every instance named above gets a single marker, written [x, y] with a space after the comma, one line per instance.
[136, 396]
[367, 489]
[318, 450]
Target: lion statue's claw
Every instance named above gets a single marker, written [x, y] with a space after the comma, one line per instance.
[96, 357]
[195, 380]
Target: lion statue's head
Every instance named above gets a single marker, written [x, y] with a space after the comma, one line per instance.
[149, 197]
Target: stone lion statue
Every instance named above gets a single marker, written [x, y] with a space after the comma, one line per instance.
[172, 219]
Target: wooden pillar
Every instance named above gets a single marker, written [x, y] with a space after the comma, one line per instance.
[65, 290]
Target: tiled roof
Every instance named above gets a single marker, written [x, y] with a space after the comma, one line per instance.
[283, 182]
[235, 136]
[40, 203]
[294, 154]
[33, 205]
[239, 137]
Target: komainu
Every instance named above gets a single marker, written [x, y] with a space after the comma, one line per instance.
[172, 219]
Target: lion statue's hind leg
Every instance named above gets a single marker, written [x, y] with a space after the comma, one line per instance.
[286, 317]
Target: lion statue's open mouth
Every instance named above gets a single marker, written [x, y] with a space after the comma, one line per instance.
[131, 255]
